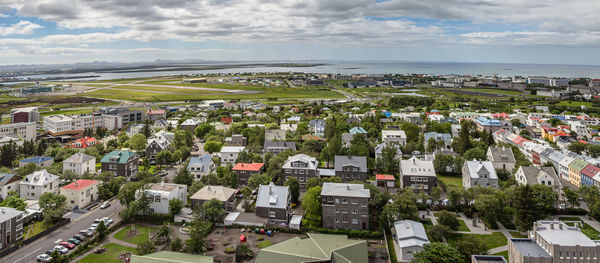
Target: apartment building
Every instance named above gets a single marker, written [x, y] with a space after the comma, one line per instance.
[24, 115]
[80, 193]
[245, 170]
[351, 168]
[72, 124]
[345, 206]
[25, 130]
[274, 202]
[417, 174]
[162, 193]
[80, 164]
[121, 163]
[11, 224]
[301, 166]
[125, 114]
[394, 136]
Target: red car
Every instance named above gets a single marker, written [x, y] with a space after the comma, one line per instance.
[67, 245]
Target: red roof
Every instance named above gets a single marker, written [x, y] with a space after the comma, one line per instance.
[226, 120]
[248, 167]
[385, 177]
[79, 184]
[84, 142]
[590, 170]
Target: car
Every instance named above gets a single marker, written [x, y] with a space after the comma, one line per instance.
[105, 205]
[97, 220]
[79, 237]
[67, 244]
[107, 221]
[61, 249]
[86, 233]
[43, 258]
[74, 241]
[94, 225]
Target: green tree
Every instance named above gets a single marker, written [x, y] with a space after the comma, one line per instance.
[577, 147]
[312, 182]
[438, 233]
[138, 142]
[164, 157]
[176, 244]
[389, 159]
[164, 232]
[102, 230]
[52, 206]
[359, 145]
[571, 196]
[212, 210]
[203, 129]
[294, 187]
[145, 248]
[448, 219]
[489, 207]
[258, 179]
[126, 194]
[468, 247]
[438, 253]
[196, 241]
[183, 177]
[475, 154]
[311, 203]
[13, 200]
[212, 146]
[403, 207]
[175, 206]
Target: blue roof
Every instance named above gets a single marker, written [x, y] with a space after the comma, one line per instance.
[37, 159]
[4, 178]
[488, 122]
[387, 113]
[204, 161]
[562, 118]
[358, 129]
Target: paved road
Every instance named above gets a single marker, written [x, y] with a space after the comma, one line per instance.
[29, 252]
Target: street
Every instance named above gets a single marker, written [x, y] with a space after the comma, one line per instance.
[29, 252]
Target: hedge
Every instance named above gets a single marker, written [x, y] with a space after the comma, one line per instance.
[350, 233]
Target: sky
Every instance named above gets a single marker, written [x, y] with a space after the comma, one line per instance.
[505, 31]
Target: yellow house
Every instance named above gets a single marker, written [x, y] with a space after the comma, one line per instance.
[575, 171]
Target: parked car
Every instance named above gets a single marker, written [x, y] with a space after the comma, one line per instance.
[105, 205]
[79, 237]
[61, 249]
[86, 232]
[107, 221]
[66, 244]
[97, 220]
[44, 258]
[74, 241]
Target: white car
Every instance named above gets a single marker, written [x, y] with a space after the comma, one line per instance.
[44, 258]
[105, 205]
[107, 221]
[61, 249]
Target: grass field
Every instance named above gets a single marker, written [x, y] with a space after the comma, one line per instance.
[143, 234]
[36, 227]
[568, 103]
[517, 234]
[496, 91]
[110, 256]
[451, 181]
[591, 232]
[494, 240]
[503, 253]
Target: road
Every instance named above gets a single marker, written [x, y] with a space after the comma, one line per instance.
[29, 252]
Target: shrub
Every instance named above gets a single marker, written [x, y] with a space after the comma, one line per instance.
[448, 219]
[264, 244]
[229, 250]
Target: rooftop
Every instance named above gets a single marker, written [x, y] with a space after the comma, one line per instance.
[273, 196]
[36, 159]
[410, 233]
[528, 248]
[248, 167]
[342, 189]
[79, 184]
[118, 156]
[218, 192]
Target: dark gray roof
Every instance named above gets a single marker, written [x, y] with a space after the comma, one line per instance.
[529, 248]
[499, 152]
[357, 161]
[532, 172]
[287, 145]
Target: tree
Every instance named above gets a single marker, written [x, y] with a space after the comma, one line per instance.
[311, 203]
[145, 248]
[13, 200]
[52, 206]
[489, 207]
[164, 157]
[138, 142]
[475, 154]
[203, 129]
[438, 233]
[195, 243]
[435, 193]
[525, 208]
[469, 247]
[571, 196]
[212, 210]
[359, 145]
[258, 179]
[126, 194]
[577, 147]
[102, 230]
[247, 205]
[312, 182]
[212, 146]
[176, 244]
[403, 207]
[437, 252]
[164, 232]
[448, 219]
[175, 206]
[294, 186]
[389, 160]
[183, 177]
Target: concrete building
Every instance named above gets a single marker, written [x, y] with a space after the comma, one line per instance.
[345, 206]
[80, 193]
[162, 193]
[125, 114]
[481, 173]
[229, 154]
[201, 166]
[502, 158]
[445, 138]
[39, 161]
[278, 146]
[301, 166]
[487, 259]
[156, 115]
[245, 170]
[121, 163]
[11, 224]
[24, 115]
[38, 183]
[417, 174]
[394, 136]
[274, 202]
[80, 164]
[224, 194]
[58, 125]
[154, 146]
[410, 239]
[351, 168]
[26, 130]
[575, 171]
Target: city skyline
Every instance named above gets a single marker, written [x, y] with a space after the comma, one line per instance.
[555, 32]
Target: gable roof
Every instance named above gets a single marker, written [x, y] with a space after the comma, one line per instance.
[358, 129]
[474, 167]
[7, 213]
[279, 144]
[8, 178]
[218, 192]
[532, 173]
[79, 158]
[36, 159]
[342, 189]
[39, 178]
[273, 196]
[410, 233]
[416, 166]
[342, 161]
[497, 154]
[311, 161]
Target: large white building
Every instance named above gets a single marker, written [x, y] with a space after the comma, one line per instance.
[481, 173]
[25, 130]
[63, 124]
[229, 154]
[38, 183]
[80, 193]
[162, 193]
[394, 136]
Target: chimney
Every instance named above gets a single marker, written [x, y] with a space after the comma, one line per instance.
[552, 226]
[76, 184]
[348, 187]
[560, 226]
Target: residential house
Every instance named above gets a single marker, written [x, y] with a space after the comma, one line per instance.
[575, 169]
[121, 163]
[317, 126]
[154, 146]
[589, 172]
[316, 248]
[530, 175]
[274, 202]
[161, 124]
[417, 174]
[563, 165]
[455, 130]
[236, 140]
[410, 238]
[199, 166]
[481, 173]
[385, 180]
[491, 125]
[301, 166]
[156, 115]
[358, 129]
[502, 158]
[278, 146]
[37, 183]
[39, 161]
[275, 135]
[84, 142]
[245, 170]
[11, 224]
[345, 206]
[224, 194]
[229, 154]
[8, 183]
[394, 136]
[80, 164]
[137, 128]
[379, 151]
[347, 139]
[190, 125]
[80, 193]
[162, 193]
[351, 168]
[445, 138]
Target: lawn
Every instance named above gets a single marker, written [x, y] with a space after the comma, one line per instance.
[37, 228]
[503, 253]
[569, 218]
[264, 244]
[143, 234]
[496, 91]
[591, 232]
[451, 181]
[65, 112]
[462, 227]
[494, 240]
[113, 251]
[568, 103]
[517, 234]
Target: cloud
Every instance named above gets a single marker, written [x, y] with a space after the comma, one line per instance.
[21, 28]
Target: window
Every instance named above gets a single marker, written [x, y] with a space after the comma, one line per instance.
[354, 221]
[330, 199]
[157, 198]
[353, 201]
[354, 211]
[344, 201]
[271, 214]
[337, 220]
[337, 210]
[345, 210]
[288, 171]
[337, 200]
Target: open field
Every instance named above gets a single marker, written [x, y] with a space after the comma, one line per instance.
[113, 251]
[496, 91]
[451, 181]
[142, 234]
[494, 240]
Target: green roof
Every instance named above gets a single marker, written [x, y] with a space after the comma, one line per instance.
[578, 165]
[171, 257]
[315, 248]
[117, 156]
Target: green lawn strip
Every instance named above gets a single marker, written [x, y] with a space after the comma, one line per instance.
[496, 91]
[37, 227]
[451, 181]
[264, 244]
[503, 253]
[591, 232]
[111, 255]
[390, 244]
[494, 240]
[143, 233]
[65, 112]
[517, 234]
[166, 89]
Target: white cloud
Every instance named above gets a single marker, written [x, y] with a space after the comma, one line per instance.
[23, 27]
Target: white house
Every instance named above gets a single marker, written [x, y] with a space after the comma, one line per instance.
[529, 175]
[8, 182]
[480, 173]
[201, 165]
[394, 136]
[80, 193]
[38, 183]
[80, 164]
[410, 239]
[229, 154]
[162, 193]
